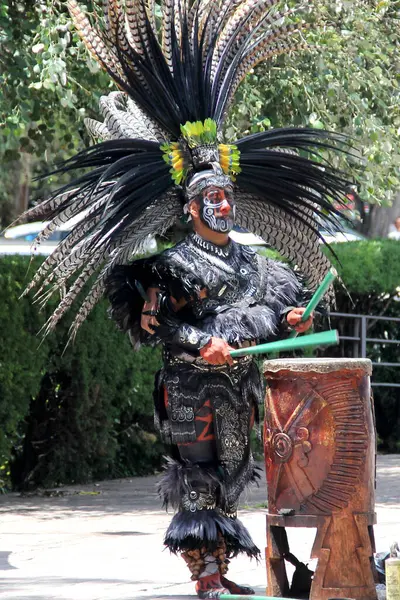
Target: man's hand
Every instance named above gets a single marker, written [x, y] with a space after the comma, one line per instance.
[294, 320]
[216, 352]
[148, 320]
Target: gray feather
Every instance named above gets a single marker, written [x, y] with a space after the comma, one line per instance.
[291, 237]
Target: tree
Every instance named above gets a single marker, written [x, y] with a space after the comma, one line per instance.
[346, 80]
[48, 85]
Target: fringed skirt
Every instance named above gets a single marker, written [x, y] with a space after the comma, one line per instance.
[207, 415]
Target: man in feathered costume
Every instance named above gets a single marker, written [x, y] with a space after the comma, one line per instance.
[162, 155]
[204, 297]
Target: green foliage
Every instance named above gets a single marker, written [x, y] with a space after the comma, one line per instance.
[371, 273]
[48, 84]
[346, 80]
[21, 360]
[48, 80]
[78, 415]
[369, 267]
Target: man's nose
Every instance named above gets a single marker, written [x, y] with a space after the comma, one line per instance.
[225, 208]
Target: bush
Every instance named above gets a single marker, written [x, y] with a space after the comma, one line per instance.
[22, 360]
[75, 416]
[370, 271]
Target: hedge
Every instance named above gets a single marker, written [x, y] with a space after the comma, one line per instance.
[82, 415]
[88, 414]
[370, 274]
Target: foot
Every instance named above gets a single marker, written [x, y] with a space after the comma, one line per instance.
[210, 586]
[234, 588]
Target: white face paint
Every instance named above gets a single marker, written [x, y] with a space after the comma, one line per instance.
[217, 209]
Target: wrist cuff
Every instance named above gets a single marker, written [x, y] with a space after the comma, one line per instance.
[192, 338]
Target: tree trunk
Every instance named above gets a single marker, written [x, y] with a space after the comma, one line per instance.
[376, 223]
[16, 188]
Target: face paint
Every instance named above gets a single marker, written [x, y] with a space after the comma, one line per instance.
[217, 209]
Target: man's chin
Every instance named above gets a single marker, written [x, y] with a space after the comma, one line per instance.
[224, 231]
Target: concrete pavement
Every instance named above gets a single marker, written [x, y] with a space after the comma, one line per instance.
[104, 541]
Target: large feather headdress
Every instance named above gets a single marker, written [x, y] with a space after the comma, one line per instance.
[177, 76]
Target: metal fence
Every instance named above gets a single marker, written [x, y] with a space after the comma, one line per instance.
[360, 339]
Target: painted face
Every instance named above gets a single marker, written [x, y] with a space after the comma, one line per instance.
[217, 209]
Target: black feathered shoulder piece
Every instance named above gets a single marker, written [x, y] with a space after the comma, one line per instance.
[177, 67]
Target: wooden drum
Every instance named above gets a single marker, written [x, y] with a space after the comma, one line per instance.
[320, 462]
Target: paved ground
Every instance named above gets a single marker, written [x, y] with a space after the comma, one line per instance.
[104, 541]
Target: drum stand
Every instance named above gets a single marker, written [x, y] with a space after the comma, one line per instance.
[344, 570]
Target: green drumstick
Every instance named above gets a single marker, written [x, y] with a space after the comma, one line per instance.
[238, 597]
[317, 297]
[325, 338]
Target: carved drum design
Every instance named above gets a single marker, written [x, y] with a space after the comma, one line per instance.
[319, 442]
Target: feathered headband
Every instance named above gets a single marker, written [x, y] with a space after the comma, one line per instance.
[177, 77]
